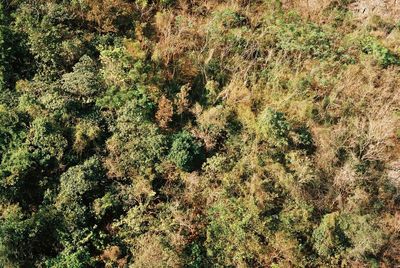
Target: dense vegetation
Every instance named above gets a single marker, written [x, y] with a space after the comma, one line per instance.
[177, 133]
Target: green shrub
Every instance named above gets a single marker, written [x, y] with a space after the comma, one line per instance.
[137, 143]
[25, 239]
[125, 76]
[227, 18]
[329, 237]
[305, 140]
[76, 259]
[46, 143]
[83, 81]
[186, 152]
[54, 45]
[79, 187]
[302, 38]
[347, 236]
[274, 127]
[233, 233]
[197, 256]
[380, 53]
[10, 128]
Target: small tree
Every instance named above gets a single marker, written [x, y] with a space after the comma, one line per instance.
[80, 186]
[46, 143]
[25, 239]
[347, 236]
[86, 134]
[273, 127]
[186, 152]
[83, 81]
[137, 143]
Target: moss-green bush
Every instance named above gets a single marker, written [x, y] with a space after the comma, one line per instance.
[274, 127]
[186, 152]
[380, 53]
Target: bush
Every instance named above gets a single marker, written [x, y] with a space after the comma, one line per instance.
[125, 75]
[347, 236]
[10, 129]
[329, 237]
[304, 140]
[228, 18]
[306, 39]
[25, 240]
[274, 127]
[76, 259]
[83, 81]
[86, 134]
[46, 143]
[79, 187]
[234, 233]
[186, 152]
[136, 145]
[381, 54]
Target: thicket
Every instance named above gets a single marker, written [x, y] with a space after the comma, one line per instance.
[197, 134]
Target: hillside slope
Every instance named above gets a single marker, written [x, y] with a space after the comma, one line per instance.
[188, 133]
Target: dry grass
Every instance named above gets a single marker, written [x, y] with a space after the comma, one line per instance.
[149, 252]
[164, 112]
[177, 34]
